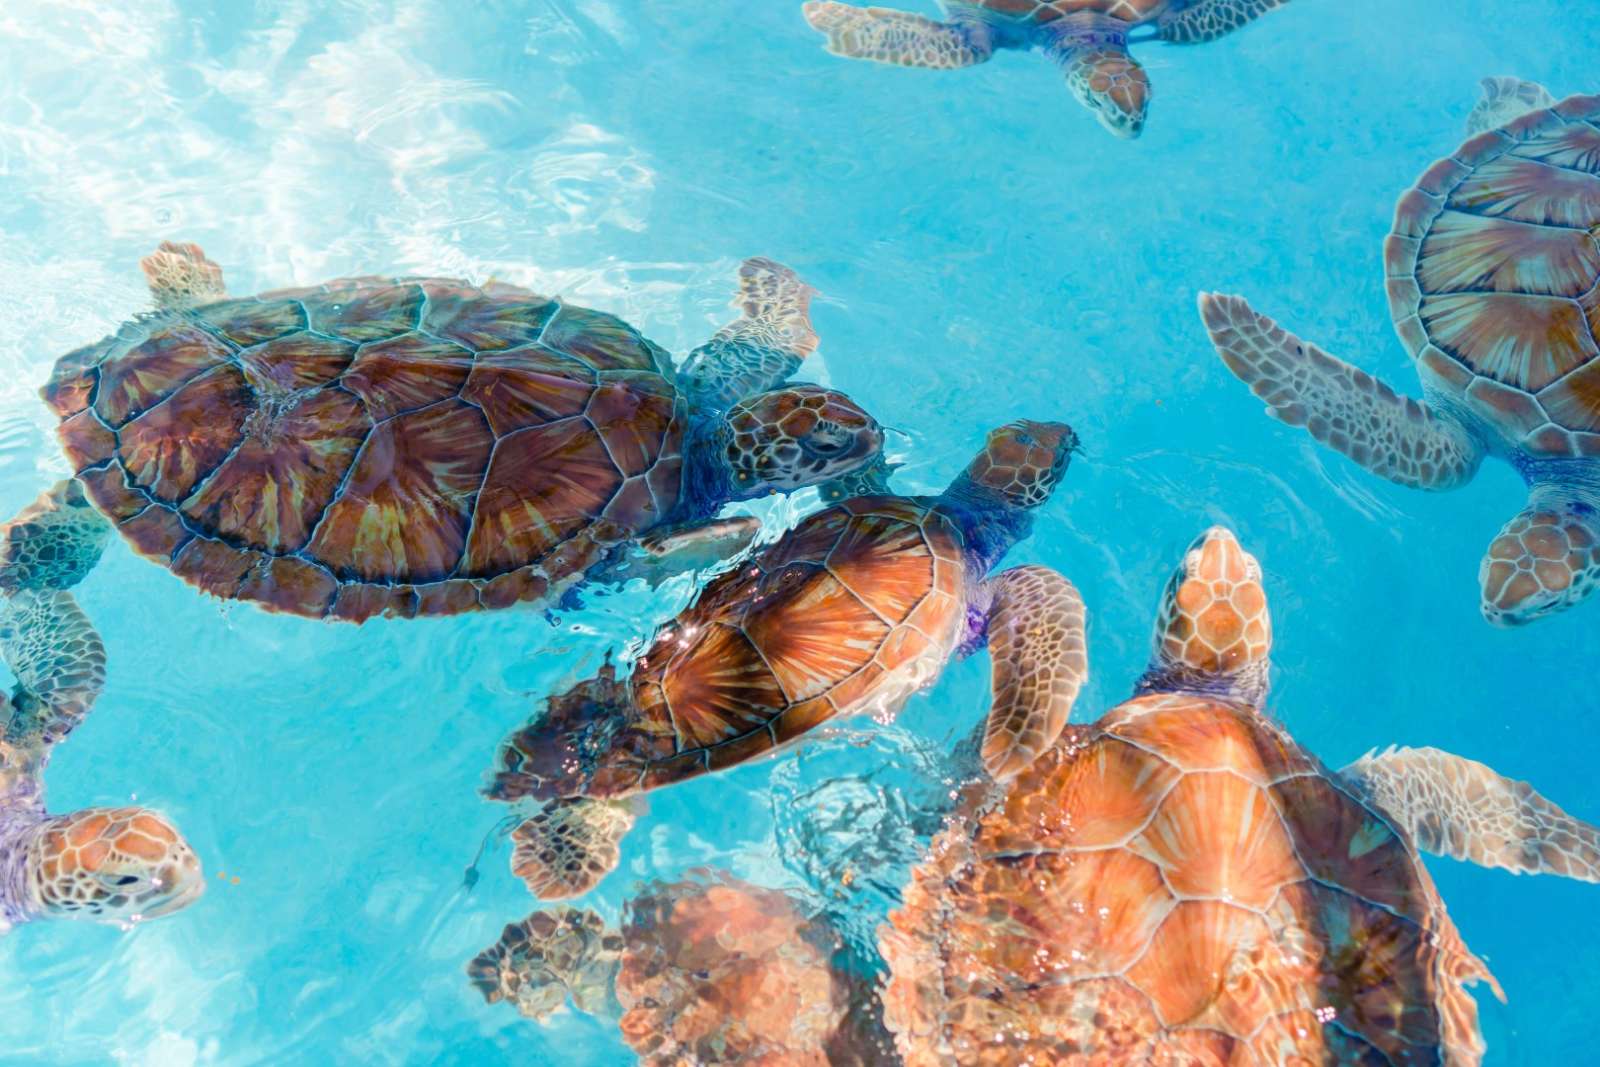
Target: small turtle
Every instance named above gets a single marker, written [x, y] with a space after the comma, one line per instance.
[707, 971]
[1182, 883]
[422, 446]
[851, 612]
[120, 865]
[1493, 276]
[1089, 38]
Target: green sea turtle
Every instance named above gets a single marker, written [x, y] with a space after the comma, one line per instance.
[851, 612]
[1089, 38]
[120, 865]
[1493, 275]
[422, 446]
[1182, 883]
[709, 970]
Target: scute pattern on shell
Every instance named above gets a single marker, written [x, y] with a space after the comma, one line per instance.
[376, 446]
[1180, 880]
[1493, 269]
[804, 631]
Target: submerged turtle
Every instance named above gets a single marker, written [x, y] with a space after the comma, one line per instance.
[120, 865]
[1089, 38]
[851, 612]
[705, 971]
[421, 446]
[1182, 883]
[1493, 276]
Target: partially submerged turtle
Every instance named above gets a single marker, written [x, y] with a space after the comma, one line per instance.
[851, 612]
[705, 971]
[422, 446]
[120, 865]
[1089, 38]
[1493, 275]
[1182, 883]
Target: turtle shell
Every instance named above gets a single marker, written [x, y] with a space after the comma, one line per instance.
[1493, 271]
[853, 610]
[1133, 12]
[404, 447]
[1179, 883]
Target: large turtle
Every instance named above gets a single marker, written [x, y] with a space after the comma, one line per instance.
[123, 864]
[1493, 275]
[709, 970]
[421, 446]
[851, 612]
[1089, 38]
[1182, 883]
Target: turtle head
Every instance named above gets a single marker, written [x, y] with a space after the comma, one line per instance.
[1545, 560]
[1111, 83]
[1214, 633]
[111, 865]
[794, 437]
[1022, 461]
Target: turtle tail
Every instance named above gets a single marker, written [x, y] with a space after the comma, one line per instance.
[555, 754]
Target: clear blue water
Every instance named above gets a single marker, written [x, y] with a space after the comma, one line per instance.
[985, 251]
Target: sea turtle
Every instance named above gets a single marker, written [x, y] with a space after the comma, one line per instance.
[851, 612]
[121, 865]
[709, 970]
[1493, 275]
[1180, 882]
[1089, 38]
[422, 446]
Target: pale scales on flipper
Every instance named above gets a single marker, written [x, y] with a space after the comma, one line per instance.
[122, 864]
[1493, 276]
[849, 613]
[1089, 38]
[1181, 882]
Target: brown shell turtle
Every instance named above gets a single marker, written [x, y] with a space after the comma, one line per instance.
[1493, 275]
[704, 971]
[1182, 883]
[422, 446]
[851, 612]
[1088, 38]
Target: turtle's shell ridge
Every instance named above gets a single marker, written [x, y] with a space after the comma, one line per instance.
[1178, 883]
[376, 446]
[1493, 276]
[848, 613]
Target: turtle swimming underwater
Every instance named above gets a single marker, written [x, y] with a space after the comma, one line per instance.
[109, 864]
[705, 971]
[422, 446]
[851, 612]
[1089, 38]
[1493, 275]
[1181, 883]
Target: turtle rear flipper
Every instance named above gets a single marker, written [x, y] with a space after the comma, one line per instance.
[1504, 100]
[566, 848]
[1452, 806]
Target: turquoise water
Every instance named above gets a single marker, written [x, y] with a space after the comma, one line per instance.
[985, 251]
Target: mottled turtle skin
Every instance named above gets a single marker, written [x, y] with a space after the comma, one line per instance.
[1181, 883]
[1089, 38]
[422, 446]
[1492, 270]
[709, 970]
[850, 613]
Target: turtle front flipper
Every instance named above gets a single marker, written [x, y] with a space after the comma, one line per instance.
[763, 347]
[1506, 99]
[899, 37]
[1209, 19]
[538, 963]
[568, 846]
[1343, 407]
[180, 276]
[1457, 807]
[1039, 657]
[663, 553]
[1544, 560]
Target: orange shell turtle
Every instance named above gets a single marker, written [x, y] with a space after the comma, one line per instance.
[851, 612]
[1089, 38]
[1181, 883]
[1493, 274]
[422, 446]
